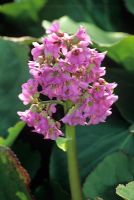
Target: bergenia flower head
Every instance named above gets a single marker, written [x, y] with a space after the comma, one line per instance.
[68, 72]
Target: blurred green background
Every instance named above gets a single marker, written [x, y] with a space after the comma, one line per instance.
[105, 151]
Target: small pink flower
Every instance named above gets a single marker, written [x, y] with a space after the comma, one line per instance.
[28, 91]
[42, 124]
[83, 37]
[52, 45]
[37, 50]
[55, 27]
[77, 56]
[74, 118]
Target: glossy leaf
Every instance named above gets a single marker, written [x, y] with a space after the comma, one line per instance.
[130, 5]
[24, 9]
[13, 133]
[94, 143]
[13, 72]
[126, 192]
[14, 180]
[124, 90]
[62, 143]
[131, 128]
[105, 15]
[114, 169]
[122, 52]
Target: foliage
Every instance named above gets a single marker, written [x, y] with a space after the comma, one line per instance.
[13, 71]
[14, 180]
[126, 192]
[114, 169]
[105, 151]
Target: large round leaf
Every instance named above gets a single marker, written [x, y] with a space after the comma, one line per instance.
[94, 143]
[124, 90]
[130, 5]
[114, 169]
[103, 14]
[14, 180]
[22, 9]
[122, 52]
[13, 72]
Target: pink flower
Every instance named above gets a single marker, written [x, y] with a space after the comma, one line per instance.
[95, 107]
[74, 118]
[42, 124]
[35, 69]
[29, 89]
[77, 56]
[83, 37]
[66, 70]
[52, 45]
[37, 50]
[55, 27]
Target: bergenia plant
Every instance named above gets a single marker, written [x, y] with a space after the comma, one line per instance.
[66, 71]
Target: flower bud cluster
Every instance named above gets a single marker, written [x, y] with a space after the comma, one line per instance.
[67, 71]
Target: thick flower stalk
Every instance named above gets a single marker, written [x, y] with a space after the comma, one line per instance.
[68, 72]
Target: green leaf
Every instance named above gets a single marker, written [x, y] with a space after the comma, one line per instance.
[124, 90]
[24, 9]
[131, 128]
[130, 5]
[62, 143]
[114, 169]
[103, 14]
[21, 196]
[94, 143]
[14, 180]
[13, 133]
[122, 52]
[29, 157]
[126, 192]
[13, 72]
[2, 140]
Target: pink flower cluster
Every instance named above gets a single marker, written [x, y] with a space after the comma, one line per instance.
[68, 71]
